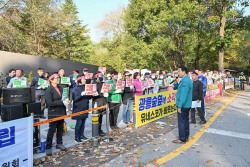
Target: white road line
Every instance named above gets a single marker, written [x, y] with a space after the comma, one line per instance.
[228, 133]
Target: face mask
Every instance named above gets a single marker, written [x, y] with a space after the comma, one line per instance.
[88, 81]
[101, 78]
[108, 78]
[161, 77]
[153, 77]
[138, 77]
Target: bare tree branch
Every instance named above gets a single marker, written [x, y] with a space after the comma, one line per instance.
[4, 4]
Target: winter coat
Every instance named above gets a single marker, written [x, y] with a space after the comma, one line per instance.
[203, 79]
[197, 90]
[34, 83]
[114, 97]
[138, 88]
[81, 103]
[100, 99]
[128, 94]
[73, 83]
[53, 101]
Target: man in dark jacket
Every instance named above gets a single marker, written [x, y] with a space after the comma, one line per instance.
[99, 100]
[12, 73]
[40, 90]
[197, 96]
[73, 83]
[203, 79]
[127, 98]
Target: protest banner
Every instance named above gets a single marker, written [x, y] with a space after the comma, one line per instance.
[213, 91]
[129, 82]
[144, 84]
[229, 83]
[154, 106]
[16, 143]
[120, 85]
[151, 83]
[42, 82]
[237, 82]
[88, 75]
[159, 82]
[102, 69]
[19, 83]
[106, 88]
[65, 93]
[75, 77]
[90, 89]
[65, 80]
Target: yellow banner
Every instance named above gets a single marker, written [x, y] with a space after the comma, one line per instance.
[154, 106]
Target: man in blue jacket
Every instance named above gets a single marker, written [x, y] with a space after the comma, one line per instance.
[184, 103]
[73, 84]
[40, 90]
[203, 79]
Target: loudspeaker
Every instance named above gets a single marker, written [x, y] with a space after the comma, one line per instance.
[34, 108]
[16, 96]
[11, 112]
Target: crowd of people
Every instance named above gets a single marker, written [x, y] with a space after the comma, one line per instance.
[188, 84]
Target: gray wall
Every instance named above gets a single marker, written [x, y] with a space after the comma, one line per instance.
[9, 60]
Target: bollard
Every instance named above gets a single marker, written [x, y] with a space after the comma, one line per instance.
[107, 124]
[95, 122]
[134, 117]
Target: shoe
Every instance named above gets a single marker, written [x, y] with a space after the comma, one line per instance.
[101, 133]
[61, 147]
[78, 140]
[193, 122]
[178, 141]
[130, 122]
[84, 139]
[112, 127]
[116, 127]
[48, 152]
[203, 122]
[126, 123]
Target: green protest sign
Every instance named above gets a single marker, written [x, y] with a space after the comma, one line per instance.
[42, 82]
[75, 77]
[65, 93]
[65, 80]
[169, 80]
[159, 82]
[19, 83]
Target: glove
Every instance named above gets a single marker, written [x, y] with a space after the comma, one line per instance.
[132, 87]
[96, 94]
[118, 91]
[69, 84]
[43, 87]
[106, 94]
[83, 93]
[66, 102]
[39, 87]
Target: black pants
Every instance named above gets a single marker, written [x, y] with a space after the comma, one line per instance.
[200, 112]
[183, 124]
[53, 126]
[70, 101]
[42, 99]
[114, 111]
[100, 122]
[242, 85]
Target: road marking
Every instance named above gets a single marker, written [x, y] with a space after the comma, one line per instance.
[196, 136]
[228, 133]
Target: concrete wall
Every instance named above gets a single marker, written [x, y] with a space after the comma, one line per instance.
[29, 63]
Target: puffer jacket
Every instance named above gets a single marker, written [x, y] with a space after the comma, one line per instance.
[197, 90]
[138, 88]
[34, 83]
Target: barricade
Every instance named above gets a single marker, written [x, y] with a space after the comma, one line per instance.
[213, 91]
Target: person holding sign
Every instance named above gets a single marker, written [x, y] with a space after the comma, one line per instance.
[150, 84]
[128, 97]
[169, 80]
[19, 81]
[160, 83]
[114, 99]
[81, 103]
[197, 99]
[99, 99]
[72, 78]
[39, 82]
[64, 81]
[56, 108]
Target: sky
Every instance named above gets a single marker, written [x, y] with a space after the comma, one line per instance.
[93, 11]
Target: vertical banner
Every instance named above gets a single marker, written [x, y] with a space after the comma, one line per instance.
[229, 83]
[16, 143]
[213, 91]
[154, 106]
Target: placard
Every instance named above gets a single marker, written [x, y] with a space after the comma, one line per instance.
[42, 82]
[151, 83]
[65, 80]
[90, 89]
[120, 85]
[75, 77]
[19, 83]
[129, 82]
[229, 83]
[102, 69]
[106, 87]
[144, 84]
[65, 93]
[213, 91]
[159, 82]
[88, 75]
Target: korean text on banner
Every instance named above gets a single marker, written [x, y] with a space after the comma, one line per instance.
[16, 143]
[106, 88]
[159, 82]
[102, 69]
[120, 85]
[42, 82]
[129, 82]
[144, 84]
[65, 80]
[213, 91]
[65, 93]
[75, 77]
[229, 83]
[89, 76]
[154, 106]
[237, 82]
[90, 89]
[151, 83]
[19, 84]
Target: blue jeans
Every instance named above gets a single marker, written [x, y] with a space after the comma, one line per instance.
[79, 129]
[183, 124]
[127, 110]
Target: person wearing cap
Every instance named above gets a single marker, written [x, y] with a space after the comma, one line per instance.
[114, 100]
[149, 89]
[242, 79]
[73, 83]
[197, 96]
[81, 103]
[100, 100]
[127, 98]
[19, 76]
[40, 90]
[56, 108]
[183, 103]
[203, 79]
